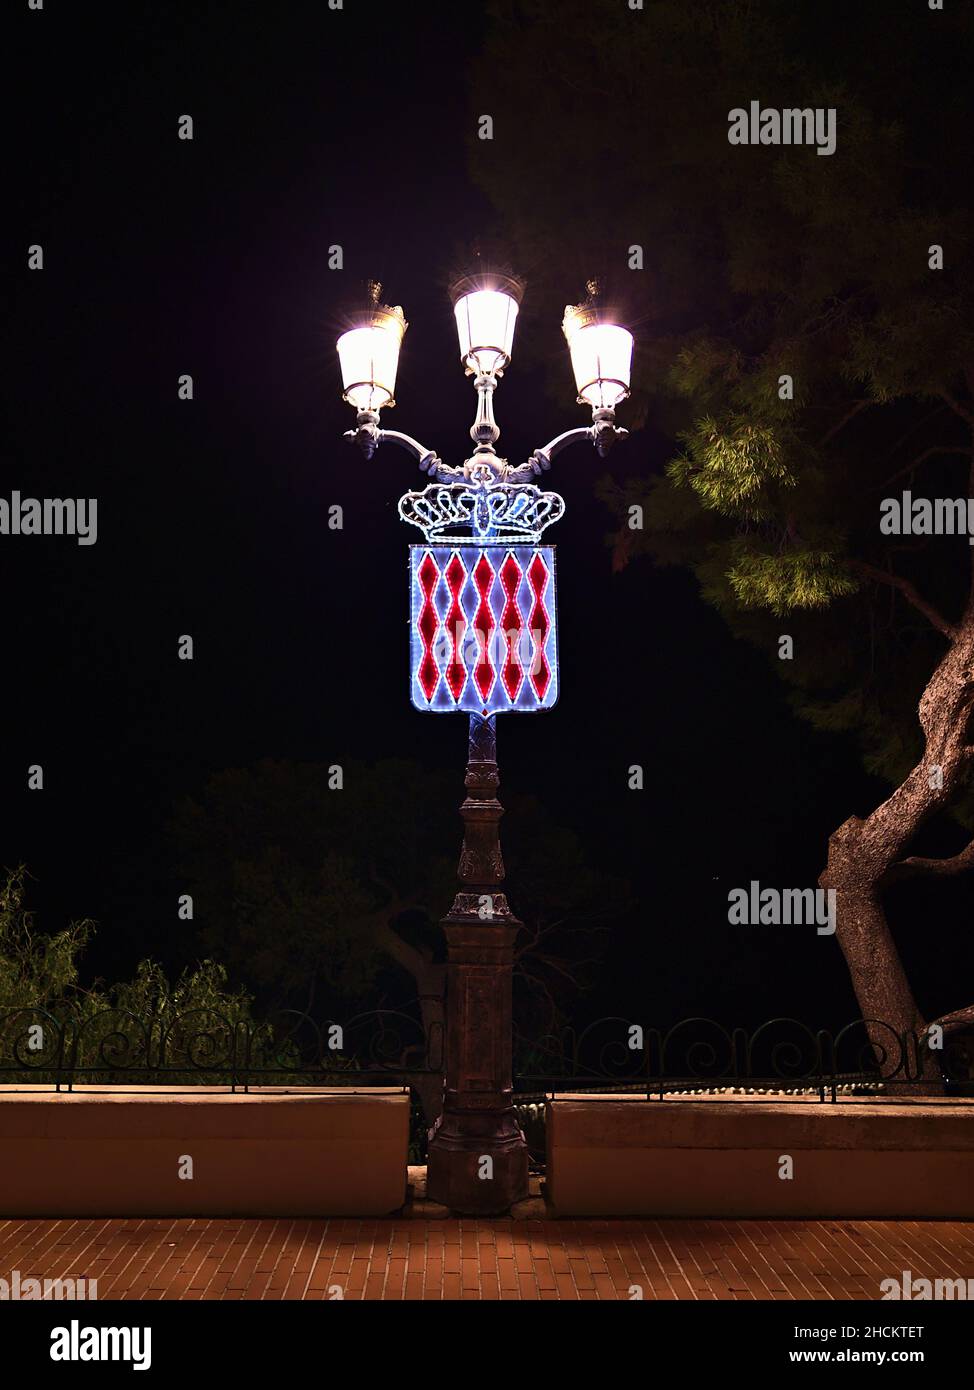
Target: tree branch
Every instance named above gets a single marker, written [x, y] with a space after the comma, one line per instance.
[920, 424]
[957, 407]
[841, 424]
[920, 458]
[939, 868]
[534, 982]
[909, 592]
[409, 957]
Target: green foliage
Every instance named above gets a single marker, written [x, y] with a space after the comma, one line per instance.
[36, 969]
[732, 466]
[796, 578]
[200, 991]
[127, 1022]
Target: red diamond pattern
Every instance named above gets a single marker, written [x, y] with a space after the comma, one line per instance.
[484, 674]
[456, 623]
[538, 577]
[512, 622]
[428, 625]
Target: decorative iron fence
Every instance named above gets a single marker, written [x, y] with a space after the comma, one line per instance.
[781, 1055]
[202, 1046]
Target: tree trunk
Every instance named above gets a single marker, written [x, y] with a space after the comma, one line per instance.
[431, 986]
[866, 855]
[430, 980]
[882, 990]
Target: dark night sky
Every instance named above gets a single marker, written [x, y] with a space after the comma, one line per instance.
[210, 257]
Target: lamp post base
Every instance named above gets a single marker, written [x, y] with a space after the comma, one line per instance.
[478, 1158]
[477, 1174]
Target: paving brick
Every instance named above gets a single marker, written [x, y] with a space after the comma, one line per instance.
[504, 1259]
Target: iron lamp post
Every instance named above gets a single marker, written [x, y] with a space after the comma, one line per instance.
[483, 640]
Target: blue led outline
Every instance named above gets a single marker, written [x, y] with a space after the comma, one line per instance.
[498, 702]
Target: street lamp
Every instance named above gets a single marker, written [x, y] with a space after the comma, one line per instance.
[485, 308]
[483, 641]
[601, 353]
[369, 354]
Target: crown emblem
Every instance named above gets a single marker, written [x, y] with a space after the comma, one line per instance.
[468, 514]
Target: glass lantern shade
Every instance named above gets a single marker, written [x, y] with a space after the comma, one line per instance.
[369, 358]
[486, 308]
[601, 360]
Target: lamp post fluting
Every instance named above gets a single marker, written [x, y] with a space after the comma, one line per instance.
[483, 641]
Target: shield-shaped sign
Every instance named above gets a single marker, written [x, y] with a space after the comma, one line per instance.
[483, 628]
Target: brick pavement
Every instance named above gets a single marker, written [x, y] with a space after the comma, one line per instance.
[420, 1258]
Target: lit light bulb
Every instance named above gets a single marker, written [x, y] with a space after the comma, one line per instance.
[601, 352]
[369, 354]
[485, 307]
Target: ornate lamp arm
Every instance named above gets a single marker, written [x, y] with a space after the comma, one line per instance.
[368, 437]
[603, 433]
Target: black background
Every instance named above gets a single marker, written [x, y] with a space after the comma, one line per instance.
[210, 257]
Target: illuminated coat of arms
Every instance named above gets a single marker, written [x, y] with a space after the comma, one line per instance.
[483, 614]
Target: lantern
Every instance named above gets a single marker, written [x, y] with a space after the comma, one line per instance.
[601, 352]
[485, 308]
[369, 354]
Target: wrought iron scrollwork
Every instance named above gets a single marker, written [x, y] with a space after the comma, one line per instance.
[781, 1055]
[112, 1046]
